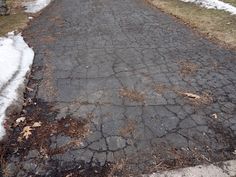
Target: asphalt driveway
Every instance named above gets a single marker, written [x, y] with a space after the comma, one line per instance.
[122, 88]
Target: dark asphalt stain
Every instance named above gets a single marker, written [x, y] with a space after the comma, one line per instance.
[127, 69]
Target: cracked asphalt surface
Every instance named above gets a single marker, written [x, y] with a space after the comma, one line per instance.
[151, 93]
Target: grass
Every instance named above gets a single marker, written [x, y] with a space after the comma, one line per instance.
[216, 24]
[232, 2]
[12, 22]
[16, 20]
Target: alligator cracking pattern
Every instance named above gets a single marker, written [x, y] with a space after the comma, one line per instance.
[131, 67]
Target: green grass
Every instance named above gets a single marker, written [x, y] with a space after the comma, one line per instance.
[215, 24]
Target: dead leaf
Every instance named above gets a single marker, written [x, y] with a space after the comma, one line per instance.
[29, 89]
[191, 95]
[234, 152]
[37, 124]
[19, 120]
[26, 132]
[69, 175]
[205, 98]
[214, 116]
[19, 139]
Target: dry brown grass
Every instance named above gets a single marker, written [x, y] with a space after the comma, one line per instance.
[188, 68]
[16, 4]
[117, 167]
[193, 98]
[12, 22]
[128, 128]
[16, 20]
[3, 151]
[160, 88]
[132, 95]
[62, 149]
[215, 24]
[47, 39]
[205, 98]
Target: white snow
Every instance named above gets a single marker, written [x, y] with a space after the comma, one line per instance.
[214, 4]
[15, 60]
[36, 5]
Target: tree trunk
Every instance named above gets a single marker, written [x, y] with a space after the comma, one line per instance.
[3, 7]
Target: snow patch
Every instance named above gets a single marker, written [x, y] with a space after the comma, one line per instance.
[214, 4]
[36, 5]
[16, 58]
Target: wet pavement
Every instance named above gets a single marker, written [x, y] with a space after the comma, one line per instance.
[123, 89]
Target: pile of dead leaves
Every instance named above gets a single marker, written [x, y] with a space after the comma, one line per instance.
[67, 126]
